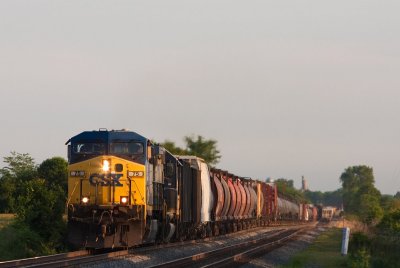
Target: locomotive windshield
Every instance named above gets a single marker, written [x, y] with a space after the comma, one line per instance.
[126, 148]
[89, 148]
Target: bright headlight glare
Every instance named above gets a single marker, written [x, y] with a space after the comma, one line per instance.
[106, 165]
[85, 199]
[124, 199]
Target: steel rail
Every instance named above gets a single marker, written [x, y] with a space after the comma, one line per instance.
[43, 259]
[81, 260]
[249, 254]
[234, 251]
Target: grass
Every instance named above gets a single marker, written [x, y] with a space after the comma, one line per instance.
[324, 252]
[6, 219]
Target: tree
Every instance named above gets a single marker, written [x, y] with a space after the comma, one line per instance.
[172, 148]
[20, 168]
[327, 198]
[353, 178]
[41, 208]
[206, 149]
[55, 172]
[360, 196]
[7, 190]
[316, 197]
[286, 187]
[198, 146]
[370, 209]
[38, 202]
[391, 222]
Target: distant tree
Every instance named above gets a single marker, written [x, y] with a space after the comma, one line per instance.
[370, 209]
[391, 222]
[19, 166]
[397, 195]
[19, 169]
[172, 148]
[282, 182]
[315, 197]
[353, 178]
[334, 198]
[206, 149]
[198, 146]
[55, 172]
[327, 198]
[360, 196]
[387, 201]
[286, 188]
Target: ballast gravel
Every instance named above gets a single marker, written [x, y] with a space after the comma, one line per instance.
[282, 255]
[143, 258]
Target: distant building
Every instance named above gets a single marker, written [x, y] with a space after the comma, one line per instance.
[304, 186]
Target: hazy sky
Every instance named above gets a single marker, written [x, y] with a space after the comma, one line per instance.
[288, 88]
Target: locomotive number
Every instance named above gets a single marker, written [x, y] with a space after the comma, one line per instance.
[136, 174]
[105, 180]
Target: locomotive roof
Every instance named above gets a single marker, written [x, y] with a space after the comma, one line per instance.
[105, 136]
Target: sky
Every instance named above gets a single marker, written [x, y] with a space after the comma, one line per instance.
[287, 88]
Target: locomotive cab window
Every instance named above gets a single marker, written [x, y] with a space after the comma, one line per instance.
[88, 148]
[127, 148]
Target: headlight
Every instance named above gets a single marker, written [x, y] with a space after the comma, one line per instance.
[85, 200]
[106, 165]
[123, 200]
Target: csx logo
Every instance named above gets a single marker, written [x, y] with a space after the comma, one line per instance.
[105, 179]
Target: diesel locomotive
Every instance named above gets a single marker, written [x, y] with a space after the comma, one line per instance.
[124, 190]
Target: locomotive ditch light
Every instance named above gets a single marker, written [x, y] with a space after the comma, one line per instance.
[123, 200]
[106, 165]
[85, 200]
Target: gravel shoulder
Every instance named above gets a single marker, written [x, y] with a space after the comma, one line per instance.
[145, 259]
[282, 255]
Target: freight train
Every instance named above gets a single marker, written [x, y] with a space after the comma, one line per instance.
[328, 213]
[124, 190]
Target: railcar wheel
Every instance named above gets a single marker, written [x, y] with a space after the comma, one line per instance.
[216, 230]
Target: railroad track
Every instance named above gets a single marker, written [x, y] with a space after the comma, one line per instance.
[31, 262]
[85, 257]
[64, 259]
[236, 254]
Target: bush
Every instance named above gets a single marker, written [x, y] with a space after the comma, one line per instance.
[41, 209]
[359, 250]
[18, 241]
